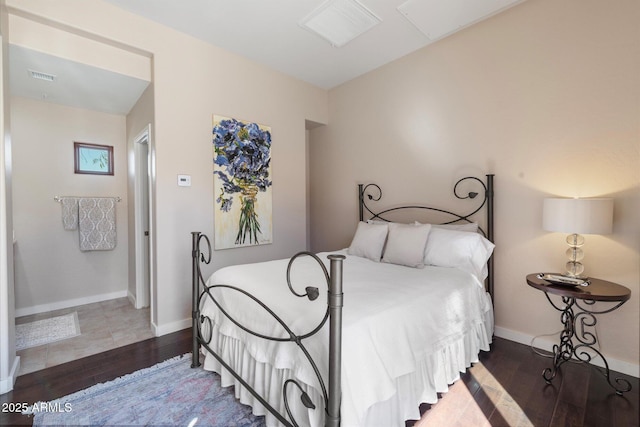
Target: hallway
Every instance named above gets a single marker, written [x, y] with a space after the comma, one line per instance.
[103, 325]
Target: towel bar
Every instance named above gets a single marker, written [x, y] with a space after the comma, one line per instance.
[59, 198]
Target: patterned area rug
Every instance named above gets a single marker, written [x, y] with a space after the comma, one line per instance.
[47, 331]
[170, 393]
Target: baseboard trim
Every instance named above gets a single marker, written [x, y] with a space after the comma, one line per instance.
[546, 343]
[43, 308]
[6, 384]
[132, 298]
[168, 328]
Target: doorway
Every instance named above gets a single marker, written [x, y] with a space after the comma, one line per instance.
[95, 285]
[142, 218]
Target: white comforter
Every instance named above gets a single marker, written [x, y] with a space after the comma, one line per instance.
[401, 326]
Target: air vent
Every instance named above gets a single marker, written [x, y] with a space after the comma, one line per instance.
[42, 76]
[340, 21]
[437, 19]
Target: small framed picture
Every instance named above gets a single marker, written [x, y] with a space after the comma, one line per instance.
[93, 158]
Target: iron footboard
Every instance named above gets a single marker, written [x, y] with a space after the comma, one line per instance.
[202, 331]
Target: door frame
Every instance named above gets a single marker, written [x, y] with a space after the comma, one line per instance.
[144, 290]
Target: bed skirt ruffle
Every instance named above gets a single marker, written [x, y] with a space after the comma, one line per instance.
[266, 380]
[433, 374]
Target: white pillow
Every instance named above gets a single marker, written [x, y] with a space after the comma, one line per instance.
[460, 249]
[465, 226]
[406, 244]
[368, 241]
[377, 221]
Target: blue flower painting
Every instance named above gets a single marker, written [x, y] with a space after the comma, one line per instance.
[242, 183]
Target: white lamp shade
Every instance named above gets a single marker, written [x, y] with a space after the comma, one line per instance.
[580, 216]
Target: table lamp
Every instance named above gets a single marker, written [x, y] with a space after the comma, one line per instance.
[576, 217]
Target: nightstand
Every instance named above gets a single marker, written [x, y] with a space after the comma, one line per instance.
[578, 315]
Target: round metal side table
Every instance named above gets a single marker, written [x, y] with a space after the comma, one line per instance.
[578, 315]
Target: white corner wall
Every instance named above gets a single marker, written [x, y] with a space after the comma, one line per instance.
[9, 362]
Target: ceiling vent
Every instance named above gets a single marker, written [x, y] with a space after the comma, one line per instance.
[42, 76]
[340, 21]
[437, 19]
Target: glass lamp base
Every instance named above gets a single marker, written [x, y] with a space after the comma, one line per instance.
[574, 269]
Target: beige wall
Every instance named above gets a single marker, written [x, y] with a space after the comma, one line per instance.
[193, 80]
[50, 268]
[546, 96]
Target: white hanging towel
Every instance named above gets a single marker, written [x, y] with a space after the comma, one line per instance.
[97, 223]
[69, 212]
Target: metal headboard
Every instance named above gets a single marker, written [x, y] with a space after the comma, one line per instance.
[373, 193]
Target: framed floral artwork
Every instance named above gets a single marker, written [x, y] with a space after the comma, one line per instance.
[242, 183]
[93, 159]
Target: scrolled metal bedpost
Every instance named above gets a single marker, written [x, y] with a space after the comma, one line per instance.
[361, 201]
[195, 290]
[196, 278]
[489, 196]
[335, 343]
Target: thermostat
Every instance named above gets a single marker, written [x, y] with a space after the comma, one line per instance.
[184, 180]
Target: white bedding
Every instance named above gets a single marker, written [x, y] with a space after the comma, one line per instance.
[407, 334]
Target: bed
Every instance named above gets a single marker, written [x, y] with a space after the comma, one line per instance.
[356, 337]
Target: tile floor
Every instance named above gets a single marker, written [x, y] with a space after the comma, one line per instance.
[103, 326]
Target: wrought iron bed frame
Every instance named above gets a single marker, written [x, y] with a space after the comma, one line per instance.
[202, 325]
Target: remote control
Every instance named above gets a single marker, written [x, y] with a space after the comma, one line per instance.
[564, 280]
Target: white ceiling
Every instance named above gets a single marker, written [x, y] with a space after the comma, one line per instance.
[75, 84]
[268, 32]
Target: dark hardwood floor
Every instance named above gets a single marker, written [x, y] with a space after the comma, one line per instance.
[505, 389]
[61, 380]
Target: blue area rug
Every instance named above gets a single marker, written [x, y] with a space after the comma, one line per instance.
[170, 393]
